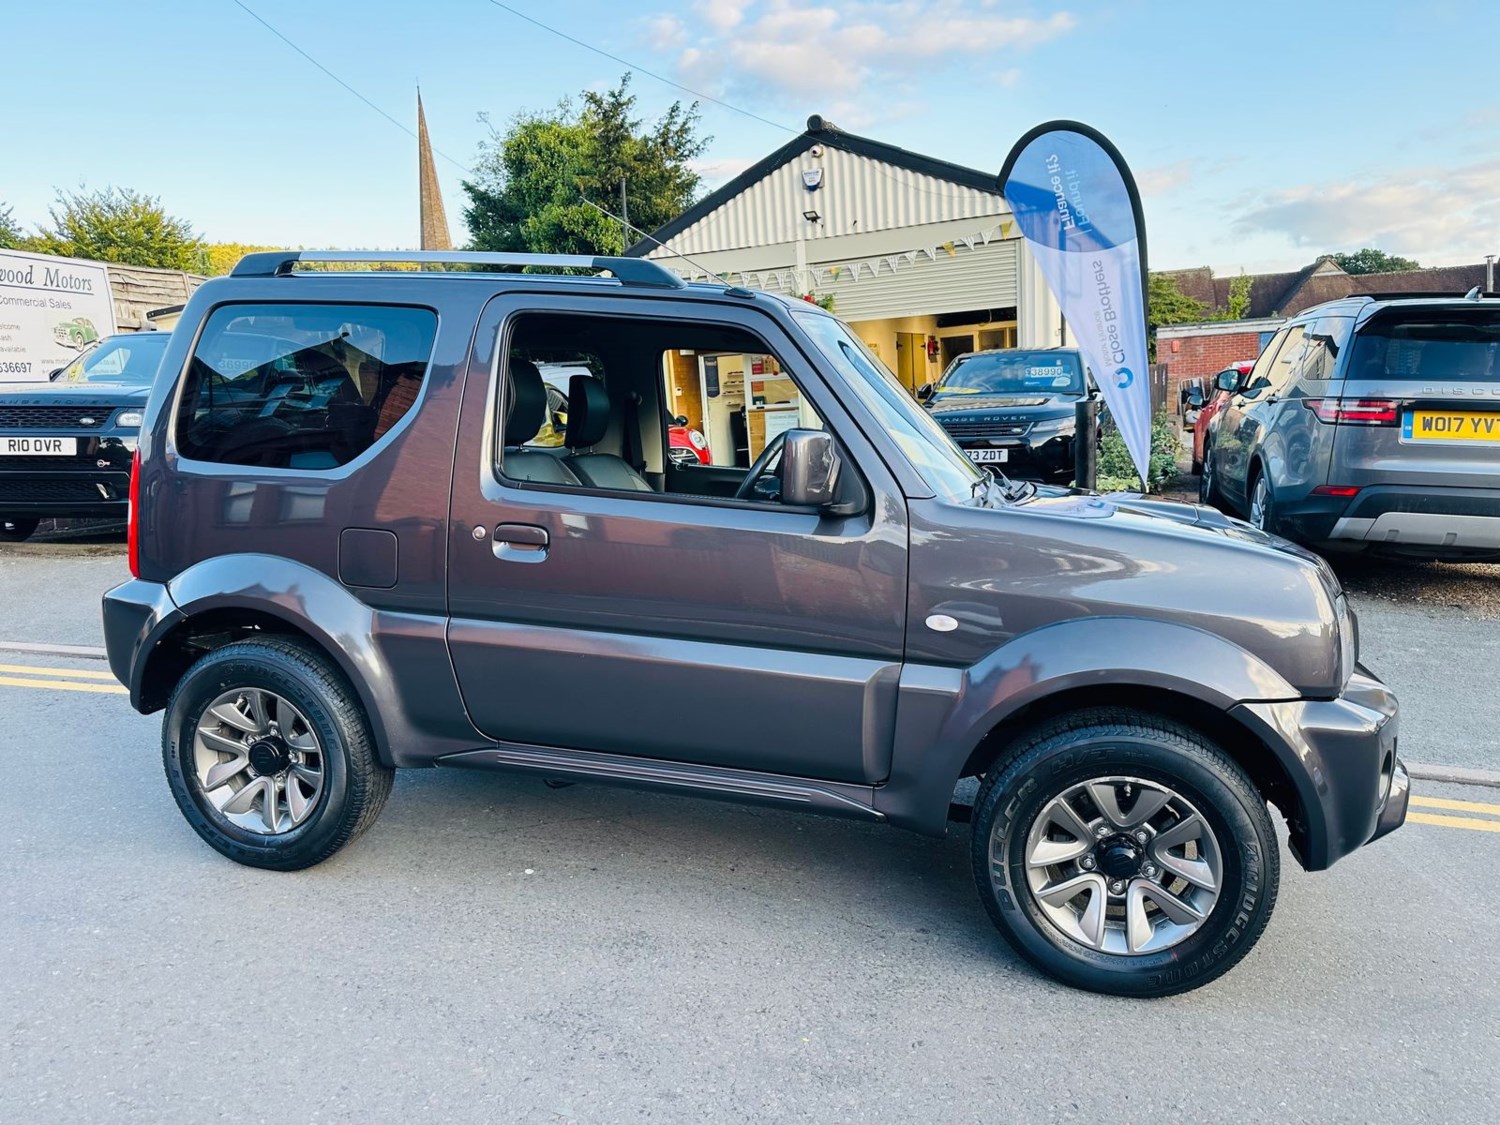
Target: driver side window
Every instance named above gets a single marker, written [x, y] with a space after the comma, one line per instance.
[646, 406]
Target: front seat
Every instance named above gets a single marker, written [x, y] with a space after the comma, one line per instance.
[523, 418]
[588, 421]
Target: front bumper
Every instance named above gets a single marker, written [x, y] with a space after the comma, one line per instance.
[1340, 754]
[1044, 459]
[94, 483]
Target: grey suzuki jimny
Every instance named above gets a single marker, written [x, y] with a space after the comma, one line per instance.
[362, 539]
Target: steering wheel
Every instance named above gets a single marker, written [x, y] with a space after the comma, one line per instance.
[770, 455]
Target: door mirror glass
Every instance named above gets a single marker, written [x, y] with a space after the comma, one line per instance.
[1195, 398]
[809, 468]
[1228, 380]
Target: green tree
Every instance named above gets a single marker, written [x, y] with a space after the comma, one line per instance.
[118, 225]
[1166, 303]
[1239, 298]
[531, 180]
[11, 236]
[1370, 260]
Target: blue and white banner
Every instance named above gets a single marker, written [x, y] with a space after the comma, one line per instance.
[1077, 206]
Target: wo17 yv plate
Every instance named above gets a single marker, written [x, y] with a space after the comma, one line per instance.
[1451, 426]
[988, 456]
[38, 446]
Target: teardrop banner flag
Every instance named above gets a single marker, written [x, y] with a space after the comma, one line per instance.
[1077, 206]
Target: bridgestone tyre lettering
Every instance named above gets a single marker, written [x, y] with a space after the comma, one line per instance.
[1064, 752]
[355, 786]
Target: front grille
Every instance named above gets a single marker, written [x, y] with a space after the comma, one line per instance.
[987, 429]
[53, 417]
[54, 491]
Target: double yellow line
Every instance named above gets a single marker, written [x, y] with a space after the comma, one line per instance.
[59, 679]
[1473, 823]
[103, 683]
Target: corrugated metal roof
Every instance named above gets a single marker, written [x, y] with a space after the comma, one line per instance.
[858, 194]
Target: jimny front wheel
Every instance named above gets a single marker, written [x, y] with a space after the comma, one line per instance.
[1124, 853]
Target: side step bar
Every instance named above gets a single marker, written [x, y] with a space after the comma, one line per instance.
[720, 782]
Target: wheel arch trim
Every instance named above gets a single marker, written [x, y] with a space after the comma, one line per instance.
[947, 716]
[397, 663]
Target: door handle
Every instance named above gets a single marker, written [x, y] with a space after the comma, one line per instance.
[520, 542]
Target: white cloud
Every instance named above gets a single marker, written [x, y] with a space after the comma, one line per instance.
[1450, 214]
[1162, 180]
[666, 33]
[722, 15]
[716, 172]
[816, 55]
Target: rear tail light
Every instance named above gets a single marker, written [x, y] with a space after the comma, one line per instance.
[1354, 411]
[1336, 490]
[133, 524]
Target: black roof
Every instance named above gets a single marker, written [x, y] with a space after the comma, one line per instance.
[825, 133]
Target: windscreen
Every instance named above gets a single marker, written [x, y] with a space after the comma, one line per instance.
[1013, 373]
[1462, 345]
[120, 359]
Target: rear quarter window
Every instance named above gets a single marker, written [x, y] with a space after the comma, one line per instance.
[302, 386]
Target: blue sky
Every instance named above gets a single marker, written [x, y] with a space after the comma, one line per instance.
[1262, 134]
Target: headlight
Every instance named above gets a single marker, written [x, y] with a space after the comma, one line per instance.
[129, 418]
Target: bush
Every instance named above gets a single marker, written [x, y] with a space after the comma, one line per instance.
[1116, 469]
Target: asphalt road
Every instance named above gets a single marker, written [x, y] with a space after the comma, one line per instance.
[493, 950]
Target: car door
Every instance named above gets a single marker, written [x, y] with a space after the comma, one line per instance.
[694, 629]
[1248, 413]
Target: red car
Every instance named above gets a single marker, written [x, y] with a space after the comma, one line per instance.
[685, 445]
[1206, 410]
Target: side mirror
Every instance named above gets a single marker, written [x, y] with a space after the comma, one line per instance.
[680, 420]
[1195, 399]
[809, 469]
[1228, 381]
[924, 392]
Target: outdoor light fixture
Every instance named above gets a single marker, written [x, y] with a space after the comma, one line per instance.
[812, 216]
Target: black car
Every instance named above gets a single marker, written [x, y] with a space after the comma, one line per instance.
[66, 445]
[1012, 409]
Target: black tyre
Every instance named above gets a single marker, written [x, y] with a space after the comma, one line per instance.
[1263, 505]
[1208, 485]
[269, 755]
[1124, 853]
[17, 530]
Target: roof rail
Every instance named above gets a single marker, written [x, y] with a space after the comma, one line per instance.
[1428, 295]
[629, 271]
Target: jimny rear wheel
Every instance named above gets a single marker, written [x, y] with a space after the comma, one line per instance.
[269, 755]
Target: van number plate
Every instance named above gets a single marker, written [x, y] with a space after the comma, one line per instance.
[1451, 426]
[38, 446]
[988, 456]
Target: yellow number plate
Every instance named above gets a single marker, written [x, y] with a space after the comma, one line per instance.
[1451, 425]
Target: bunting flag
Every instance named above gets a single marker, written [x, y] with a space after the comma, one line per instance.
[802, 281]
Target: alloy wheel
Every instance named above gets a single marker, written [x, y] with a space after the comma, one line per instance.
[257, 761]
[1260, 499]
[1123, 865]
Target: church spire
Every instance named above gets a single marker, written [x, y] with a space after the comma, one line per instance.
[434, 220]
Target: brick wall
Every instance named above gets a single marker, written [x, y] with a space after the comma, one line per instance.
[1202, 357]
